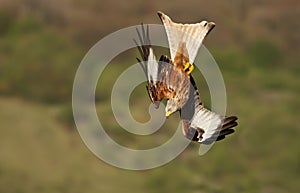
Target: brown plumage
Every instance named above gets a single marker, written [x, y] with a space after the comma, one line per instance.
[170, 79]
[202, 125]
[167, 80]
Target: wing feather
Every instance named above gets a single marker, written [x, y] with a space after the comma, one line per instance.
[199, 123]
[202, 125]
[156, 72]
[143, 47]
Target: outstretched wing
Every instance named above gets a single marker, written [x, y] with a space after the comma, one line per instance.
[211, 126]
[202, 125]
[157, 73]
[189, 35]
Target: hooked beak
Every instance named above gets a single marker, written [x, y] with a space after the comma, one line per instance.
[168, 114]
[156, 104]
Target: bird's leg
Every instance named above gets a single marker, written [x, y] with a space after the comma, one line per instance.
[191, 68]
[188, 68]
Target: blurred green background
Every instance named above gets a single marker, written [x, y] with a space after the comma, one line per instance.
[256, 44]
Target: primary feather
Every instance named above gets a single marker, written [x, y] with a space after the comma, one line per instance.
[202, 125]
[166, 80]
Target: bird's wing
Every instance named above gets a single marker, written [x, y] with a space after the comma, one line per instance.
[201, 124]
[211, 126]
[157, 73]
[190, 35]
[144, 47]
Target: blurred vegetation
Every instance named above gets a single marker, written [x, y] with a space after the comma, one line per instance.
[255, 43]
[36, 63]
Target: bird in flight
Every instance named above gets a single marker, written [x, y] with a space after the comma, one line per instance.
[171, 79]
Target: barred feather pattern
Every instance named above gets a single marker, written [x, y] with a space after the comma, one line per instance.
[202, 125]
[190, 34]
[165, 80]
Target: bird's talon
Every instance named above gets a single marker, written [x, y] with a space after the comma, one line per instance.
[190, 69]
[186, 66]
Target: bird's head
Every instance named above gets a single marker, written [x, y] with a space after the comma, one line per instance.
[171, 107]
[152, 94]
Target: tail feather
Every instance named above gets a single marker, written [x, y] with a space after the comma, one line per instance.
[192, 35]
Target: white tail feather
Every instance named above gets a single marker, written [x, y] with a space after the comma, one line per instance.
[190, 34]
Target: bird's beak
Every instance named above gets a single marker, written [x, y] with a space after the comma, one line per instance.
[168, 113]
[156, 104]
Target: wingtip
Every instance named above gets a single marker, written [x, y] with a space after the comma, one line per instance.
[230, 118]
[229, 122]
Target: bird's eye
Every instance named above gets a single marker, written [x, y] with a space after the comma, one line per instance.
[205, 24]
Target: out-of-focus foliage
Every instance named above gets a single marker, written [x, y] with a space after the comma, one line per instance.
[37, 63]
[265, 54]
